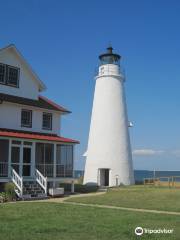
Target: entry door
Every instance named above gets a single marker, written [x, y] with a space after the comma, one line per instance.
[26, 161]
[106, 177]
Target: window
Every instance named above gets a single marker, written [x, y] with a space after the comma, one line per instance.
[26, 118]
[9, 75]
[47, 121]
[2, 73]
[13, 76]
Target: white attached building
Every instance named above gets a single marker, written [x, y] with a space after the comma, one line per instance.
[32, 153]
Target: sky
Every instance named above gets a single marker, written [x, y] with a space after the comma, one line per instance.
[62, 41]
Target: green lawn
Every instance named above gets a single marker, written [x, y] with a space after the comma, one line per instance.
[55, 221]
[138, 197]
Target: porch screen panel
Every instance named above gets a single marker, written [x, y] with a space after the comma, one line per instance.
[44, 158]
[63, 155]
[40, 157]
[49, 154]
[49, 159]
[64, 161]
[58, 155]
[60, 161]
[69, 161]
[15, 158]
[69, 155]
[4, 154]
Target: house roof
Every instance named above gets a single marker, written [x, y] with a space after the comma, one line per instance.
[42, 86]
[42, 102]
[35, 136]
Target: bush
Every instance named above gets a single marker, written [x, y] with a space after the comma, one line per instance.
[79, 188]
[10, 191]
[85, 188]
[3, 197]
[139, 182]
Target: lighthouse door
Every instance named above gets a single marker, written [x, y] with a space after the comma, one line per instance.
[104, 177]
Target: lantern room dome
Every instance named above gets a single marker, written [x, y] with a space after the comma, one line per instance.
[109, 57]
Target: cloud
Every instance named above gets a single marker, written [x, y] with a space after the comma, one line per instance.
[152, 152]
[176, 153]
[147, 152]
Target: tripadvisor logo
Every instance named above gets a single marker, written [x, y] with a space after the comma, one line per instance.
[139, 231]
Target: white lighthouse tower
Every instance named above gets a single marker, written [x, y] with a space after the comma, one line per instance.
[109, 157]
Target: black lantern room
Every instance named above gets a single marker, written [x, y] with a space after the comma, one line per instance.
[109, 57]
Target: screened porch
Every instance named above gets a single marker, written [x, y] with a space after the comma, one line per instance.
[53, 160]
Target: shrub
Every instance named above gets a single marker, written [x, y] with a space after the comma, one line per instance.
[139, 182]
[85, 188]
[79, 188]
[3, 197]
[10, 191]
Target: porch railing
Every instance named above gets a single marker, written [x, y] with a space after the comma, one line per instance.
[64, 170]
[18, 181]
[61, 170]
[45, 169]
[3, 169]
[41, 180]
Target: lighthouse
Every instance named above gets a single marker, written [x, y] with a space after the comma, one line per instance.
[109, 156]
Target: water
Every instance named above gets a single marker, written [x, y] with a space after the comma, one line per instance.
[139, 175]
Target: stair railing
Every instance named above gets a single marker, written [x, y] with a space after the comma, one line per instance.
[41, 180]
[18, 181]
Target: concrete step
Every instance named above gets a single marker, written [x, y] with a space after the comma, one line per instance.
[29, 197]
[103, 189]
[32, 189]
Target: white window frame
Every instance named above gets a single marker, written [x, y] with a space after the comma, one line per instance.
[10, 84]
[26, 125]
[46, 128]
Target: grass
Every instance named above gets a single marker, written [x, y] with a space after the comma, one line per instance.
[146, 197]
[47, 221]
